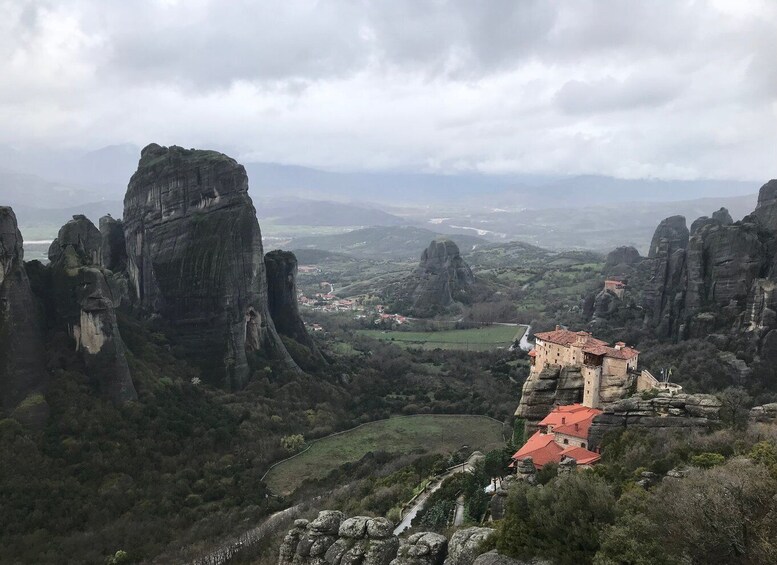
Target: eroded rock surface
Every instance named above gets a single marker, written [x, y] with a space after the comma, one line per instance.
[443, 279]
[194, 258]
[22, 370]
[681, 411]
[551, 386]
[282, 298]
[85, 304]
[331, 539]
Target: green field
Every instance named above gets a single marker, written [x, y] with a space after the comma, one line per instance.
[402, 434]
[478, 339]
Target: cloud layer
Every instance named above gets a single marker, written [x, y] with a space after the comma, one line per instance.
[681, 89]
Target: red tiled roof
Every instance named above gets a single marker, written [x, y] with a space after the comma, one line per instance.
[572, 420]
[581, 455]
[622, 353]
[592, 345]
[542, 448]
[533, 353]
[566, 337]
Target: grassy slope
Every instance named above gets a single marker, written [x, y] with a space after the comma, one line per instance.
[478, 339]
[405, 434]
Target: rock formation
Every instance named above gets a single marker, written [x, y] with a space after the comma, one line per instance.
[764, 414]
[551, 386]
[331, 539]
[22, 370]
[282, 298]
[443, 279]
[493, 558]
[688, 411]
[464, 545]
[113, 250]
[85, 304]
[621, 257]
[721, 278]
[194, 258]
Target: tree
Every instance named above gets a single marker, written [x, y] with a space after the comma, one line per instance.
[561, 521]
[293, 443]
[496, 463]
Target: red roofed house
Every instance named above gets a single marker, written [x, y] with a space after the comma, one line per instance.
[562, 433]
[601, 365]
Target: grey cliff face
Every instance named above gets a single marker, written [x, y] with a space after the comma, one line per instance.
[22, 370]
[552, 386]
[670, 235]
[721, 279]
[282, 297]
[194, 259]
[766, 209]
[620, 257]
[85, 304]
[113, 248]
[444, 278]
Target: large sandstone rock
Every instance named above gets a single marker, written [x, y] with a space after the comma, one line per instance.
[681, 411]
[621, 257]
[331, 540]
[493, 558]
[424, 548]
[282, 298]
[22, 370]
[764, 414]
[464, 545]
[194, 254]
[551, 386]
[766, 209]
[84, 303]
[113, 248]
[720, 278]
[443, 279]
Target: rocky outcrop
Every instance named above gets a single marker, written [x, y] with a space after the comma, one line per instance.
[22, 370]
[424, 548]
[764, 414]
[282, 298]
[194, 259]
[721, 278]
[620, 258]
[551, 386]
[442, 279]
[464, 545]
[113, 249]
[681, 411]
[663, 293]
[331, 539]
[85, 305]
[493, 558]
[720, 218]
[766, 209]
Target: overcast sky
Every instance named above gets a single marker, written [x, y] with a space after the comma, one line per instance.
[672, 89]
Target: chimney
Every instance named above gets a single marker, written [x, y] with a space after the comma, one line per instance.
[620, 345]
[577, 427]
[558, 327]
[563, 420]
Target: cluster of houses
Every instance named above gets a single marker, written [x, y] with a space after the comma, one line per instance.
[608, 373]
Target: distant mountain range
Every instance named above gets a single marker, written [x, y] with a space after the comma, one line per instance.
[47, 187]
[396, 243]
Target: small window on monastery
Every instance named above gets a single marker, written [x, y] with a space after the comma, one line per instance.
[566, 442]
[582, 445]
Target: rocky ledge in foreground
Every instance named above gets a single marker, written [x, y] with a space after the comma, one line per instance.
[331, 539]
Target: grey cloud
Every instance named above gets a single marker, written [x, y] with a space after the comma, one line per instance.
[610, 95]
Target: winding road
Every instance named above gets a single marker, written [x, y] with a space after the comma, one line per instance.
[419, 502]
